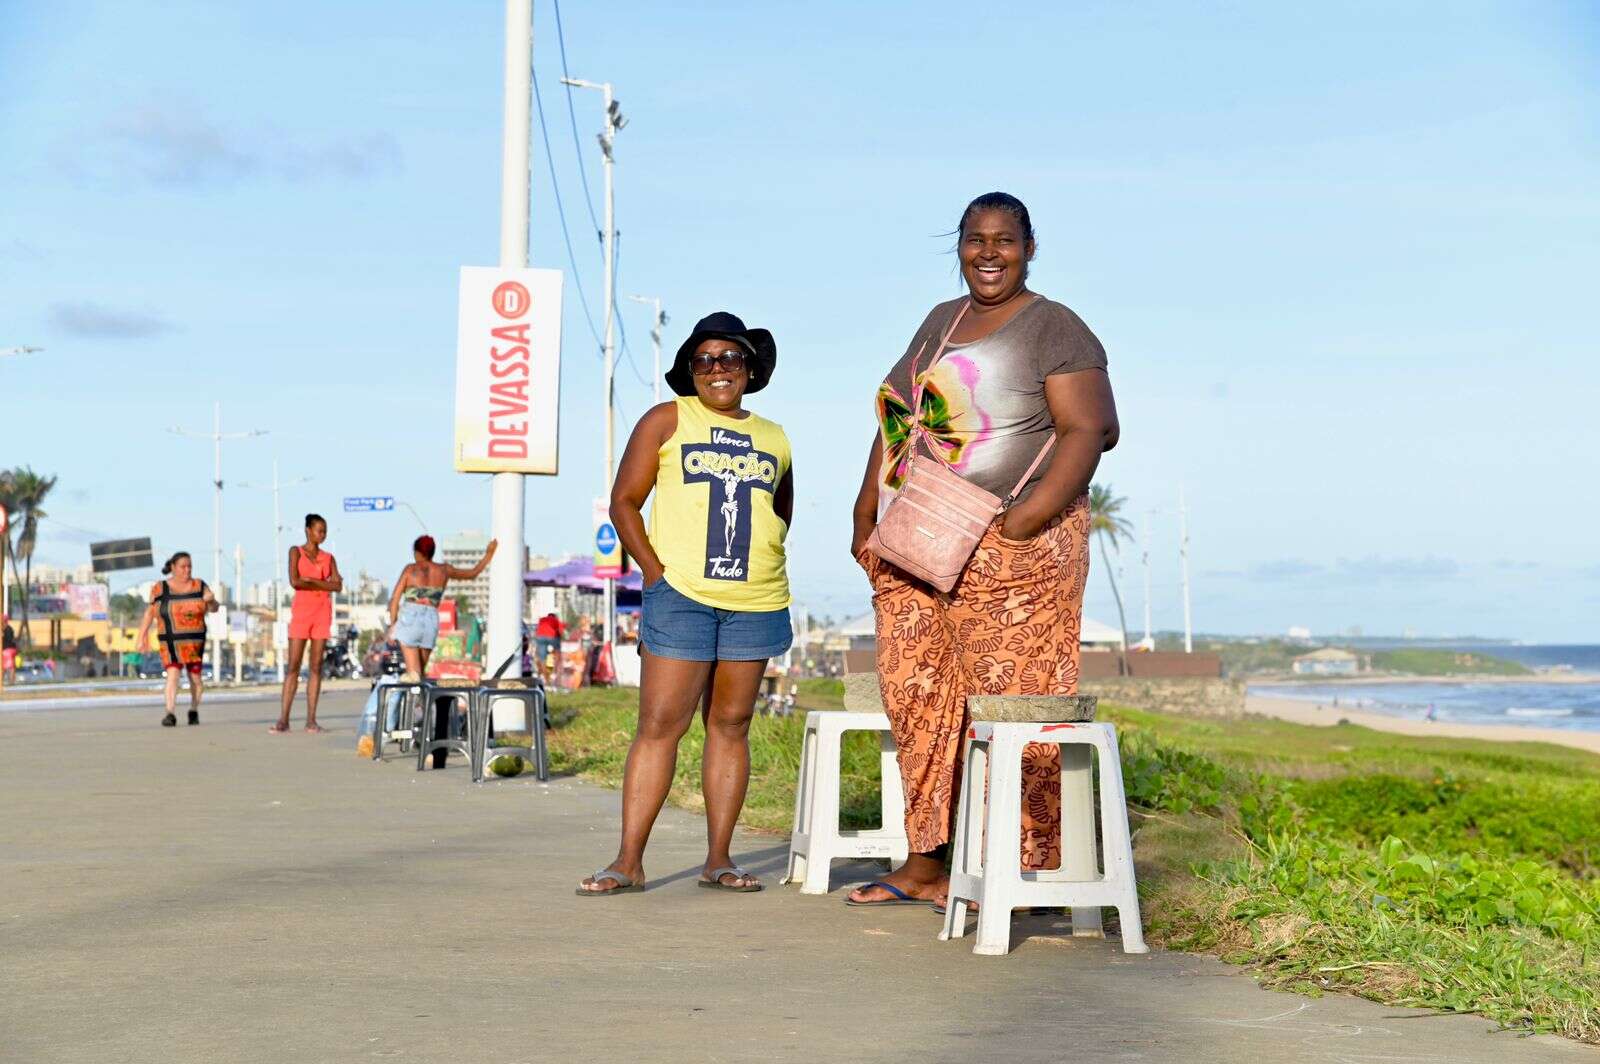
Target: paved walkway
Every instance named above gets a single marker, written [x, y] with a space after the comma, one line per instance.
[220, 894]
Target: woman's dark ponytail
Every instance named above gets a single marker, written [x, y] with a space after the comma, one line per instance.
[166, 570]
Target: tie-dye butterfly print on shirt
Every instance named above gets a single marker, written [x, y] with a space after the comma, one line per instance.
[983, 406]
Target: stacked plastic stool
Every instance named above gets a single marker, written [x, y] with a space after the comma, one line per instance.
[402, 695]
[529, 693]
[448, 690]
[817, 841]
[986, 866]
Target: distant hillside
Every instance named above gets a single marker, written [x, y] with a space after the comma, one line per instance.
[1416, 662]
[1277, 655]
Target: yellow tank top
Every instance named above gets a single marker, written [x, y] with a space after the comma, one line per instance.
[711, 521]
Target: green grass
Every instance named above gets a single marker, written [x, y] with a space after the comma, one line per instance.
[1448, 873]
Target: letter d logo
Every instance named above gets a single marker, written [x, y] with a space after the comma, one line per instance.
[511, 300]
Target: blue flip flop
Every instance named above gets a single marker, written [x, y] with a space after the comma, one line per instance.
[900, 897]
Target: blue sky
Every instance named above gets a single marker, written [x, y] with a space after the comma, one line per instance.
[1342, 258]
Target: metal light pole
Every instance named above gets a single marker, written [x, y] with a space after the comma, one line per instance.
[216, 435]
[613, 122]
[656, 325]
[1144, 557]
[277, 544]
[1183, 556]
[506, 590]
[238, 648]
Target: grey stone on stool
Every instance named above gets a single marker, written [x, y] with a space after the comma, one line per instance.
[861, 692]
[1032, 709]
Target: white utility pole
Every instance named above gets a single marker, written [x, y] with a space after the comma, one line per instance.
[613, 122]
[656, 325]
[277, 529]
[238, 583]
[216, 435]
[505, 571]
[1144, 557]
[1183, 557]
[277, 547]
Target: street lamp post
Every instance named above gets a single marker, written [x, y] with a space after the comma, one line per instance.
[613, 122]
[277, 546]
[216, 435]
[656, 325]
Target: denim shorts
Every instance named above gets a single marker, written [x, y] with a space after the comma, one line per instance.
[676, 626]
[417, 625]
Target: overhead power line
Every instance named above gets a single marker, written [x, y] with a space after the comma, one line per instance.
[561, 213]
[577, 142]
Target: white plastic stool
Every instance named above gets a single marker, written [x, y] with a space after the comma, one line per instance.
[987, 863]
[816, 841]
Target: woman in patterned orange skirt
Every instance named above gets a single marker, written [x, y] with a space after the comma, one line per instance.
[1017, 368]
[179, 605]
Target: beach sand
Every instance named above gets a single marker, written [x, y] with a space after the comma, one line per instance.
[1307, 713]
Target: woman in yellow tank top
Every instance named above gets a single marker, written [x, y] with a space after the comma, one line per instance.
[716, 589]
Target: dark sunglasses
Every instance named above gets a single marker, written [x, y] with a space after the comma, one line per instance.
[728, 361]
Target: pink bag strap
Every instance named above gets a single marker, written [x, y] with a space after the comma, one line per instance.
[1051, 442]
[918, 433]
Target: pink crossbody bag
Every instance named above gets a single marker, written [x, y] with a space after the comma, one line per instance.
[932, 526]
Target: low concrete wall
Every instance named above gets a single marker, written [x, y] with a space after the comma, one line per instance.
[1208, 697]
[1157, 664]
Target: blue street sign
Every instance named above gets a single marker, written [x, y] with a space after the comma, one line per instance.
[605, 539]
[366, 504]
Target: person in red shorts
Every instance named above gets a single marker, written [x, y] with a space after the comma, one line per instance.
[314, 575]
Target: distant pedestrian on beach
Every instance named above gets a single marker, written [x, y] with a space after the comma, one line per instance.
[314, 575]
[1432, 713]
[716, 586]
[179, 604]
[987, 384]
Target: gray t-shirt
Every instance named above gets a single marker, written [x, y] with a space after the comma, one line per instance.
[984, 401]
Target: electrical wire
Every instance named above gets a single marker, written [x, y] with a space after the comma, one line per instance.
[561, 213]
[616, 311]
[561, 40]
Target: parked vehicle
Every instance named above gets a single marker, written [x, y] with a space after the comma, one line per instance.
[338, 662]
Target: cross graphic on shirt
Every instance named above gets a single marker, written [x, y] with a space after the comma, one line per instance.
[728, 520]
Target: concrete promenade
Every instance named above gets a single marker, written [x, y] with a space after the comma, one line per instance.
[221, 894]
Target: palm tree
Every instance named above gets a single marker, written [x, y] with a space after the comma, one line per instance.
[29, 491]
[1107, 525]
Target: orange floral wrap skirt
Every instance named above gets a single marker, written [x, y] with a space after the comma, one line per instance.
[1009, 627]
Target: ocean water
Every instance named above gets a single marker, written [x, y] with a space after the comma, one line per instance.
[1547, 705]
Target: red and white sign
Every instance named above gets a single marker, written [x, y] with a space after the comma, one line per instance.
[508, 370]
[5, 519]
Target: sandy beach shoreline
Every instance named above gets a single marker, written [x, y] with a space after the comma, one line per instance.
[1302, 712]
[1360, 679]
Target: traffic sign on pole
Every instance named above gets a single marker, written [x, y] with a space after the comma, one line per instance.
[368, 504]
[607, 547]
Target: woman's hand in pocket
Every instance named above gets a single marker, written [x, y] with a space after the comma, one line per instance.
[1019, 525]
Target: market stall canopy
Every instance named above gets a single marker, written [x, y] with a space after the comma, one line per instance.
[579, 572]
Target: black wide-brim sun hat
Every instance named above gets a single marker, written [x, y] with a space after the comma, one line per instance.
[761, 353]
